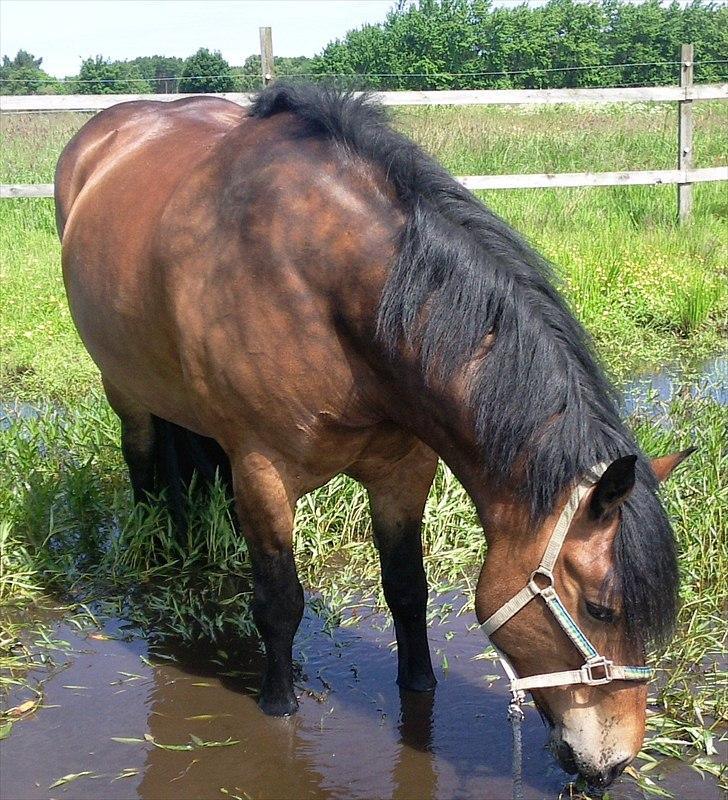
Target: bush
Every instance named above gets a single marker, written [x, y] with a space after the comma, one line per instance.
[206, 72]
[102, 76]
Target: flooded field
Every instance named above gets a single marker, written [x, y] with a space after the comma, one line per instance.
[125, 720]
[647, 390]
[128, 717]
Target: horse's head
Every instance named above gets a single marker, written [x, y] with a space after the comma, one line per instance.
[606, 580]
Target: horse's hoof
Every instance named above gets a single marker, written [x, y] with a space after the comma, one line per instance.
[278, 707]
[421, 683]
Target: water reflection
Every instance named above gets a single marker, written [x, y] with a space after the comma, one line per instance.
[363, 738]
[648, 392]
[356, 736]
[415, 753]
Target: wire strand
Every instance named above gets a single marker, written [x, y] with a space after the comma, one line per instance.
[39, 111]
[474, 73]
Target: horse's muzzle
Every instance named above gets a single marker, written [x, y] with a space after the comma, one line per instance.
[597, 777]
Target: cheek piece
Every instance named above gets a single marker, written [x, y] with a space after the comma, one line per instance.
[596, 670]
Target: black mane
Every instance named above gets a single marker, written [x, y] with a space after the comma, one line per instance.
[540, 397]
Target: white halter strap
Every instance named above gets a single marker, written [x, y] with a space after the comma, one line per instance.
[596, 669]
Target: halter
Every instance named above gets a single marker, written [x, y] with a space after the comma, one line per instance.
[596, 670]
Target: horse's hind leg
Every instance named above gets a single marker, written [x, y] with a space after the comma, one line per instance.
[265, 504]
[397, 497]
[137, 442]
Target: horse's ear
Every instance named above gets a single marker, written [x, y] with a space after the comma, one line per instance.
[613, 488]
[663, 466]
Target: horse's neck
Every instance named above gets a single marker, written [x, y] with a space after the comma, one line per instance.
[442, 418]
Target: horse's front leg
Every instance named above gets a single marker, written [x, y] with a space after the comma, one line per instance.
[397, 499]
[265, 511]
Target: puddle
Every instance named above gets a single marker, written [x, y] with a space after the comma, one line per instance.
[647, 392]
[12, 411]
[354, 737]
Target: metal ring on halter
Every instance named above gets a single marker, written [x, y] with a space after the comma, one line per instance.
[542, 572]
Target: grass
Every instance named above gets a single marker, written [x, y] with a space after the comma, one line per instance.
[649, 292]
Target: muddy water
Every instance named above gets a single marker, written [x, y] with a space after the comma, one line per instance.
[354, 737]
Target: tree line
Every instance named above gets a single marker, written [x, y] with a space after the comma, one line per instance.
[441, 44]
[472, 44]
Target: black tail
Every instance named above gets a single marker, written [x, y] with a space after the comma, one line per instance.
[180, 457]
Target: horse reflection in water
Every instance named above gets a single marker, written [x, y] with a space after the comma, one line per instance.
[367, 738]
[302, 292]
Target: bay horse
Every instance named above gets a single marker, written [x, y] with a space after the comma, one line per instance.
[296, 290]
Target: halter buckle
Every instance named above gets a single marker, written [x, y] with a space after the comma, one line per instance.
[599, 663]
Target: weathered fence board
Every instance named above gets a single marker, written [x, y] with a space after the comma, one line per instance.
[26, 190]
[685, 134]
[466, 97]
[533, 181]
[684, 176]
[575, 179]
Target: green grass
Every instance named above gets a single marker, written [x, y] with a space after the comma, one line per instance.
[649, 292]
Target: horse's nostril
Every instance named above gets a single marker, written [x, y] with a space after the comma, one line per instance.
[600, 779]
[614, 772]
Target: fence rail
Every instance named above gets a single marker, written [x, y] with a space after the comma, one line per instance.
[546, 180]
[684, 95]
[464, 97]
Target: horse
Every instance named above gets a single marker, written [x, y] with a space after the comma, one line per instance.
[295, 290]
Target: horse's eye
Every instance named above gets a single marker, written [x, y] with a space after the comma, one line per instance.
[601, 613]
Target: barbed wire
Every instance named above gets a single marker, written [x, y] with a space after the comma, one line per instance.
[474, 73]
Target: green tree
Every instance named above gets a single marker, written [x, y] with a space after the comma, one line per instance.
[23, 75]
[162, 72]
[469, 44]
[102, 76]
[206, 72]
[421, 46]
[248, 77]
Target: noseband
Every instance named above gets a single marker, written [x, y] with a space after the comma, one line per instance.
[596, 670]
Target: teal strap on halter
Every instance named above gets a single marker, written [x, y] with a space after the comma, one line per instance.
[572, 630]
[634, 673]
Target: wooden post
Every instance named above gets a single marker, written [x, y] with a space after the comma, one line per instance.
[266, 55]
[685, 135]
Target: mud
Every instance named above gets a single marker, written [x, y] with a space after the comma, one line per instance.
[355, 736]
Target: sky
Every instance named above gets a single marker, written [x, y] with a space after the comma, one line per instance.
[64, 32]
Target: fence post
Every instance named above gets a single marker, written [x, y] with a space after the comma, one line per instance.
[685, 135]
[266, 55]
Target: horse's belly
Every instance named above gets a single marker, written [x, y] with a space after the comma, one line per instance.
[119, 308]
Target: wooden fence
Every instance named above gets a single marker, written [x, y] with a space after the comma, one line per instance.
[684, 176]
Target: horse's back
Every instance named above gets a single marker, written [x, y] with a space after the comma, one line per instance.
[207, 257]
[115, 133]
[113, 181]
